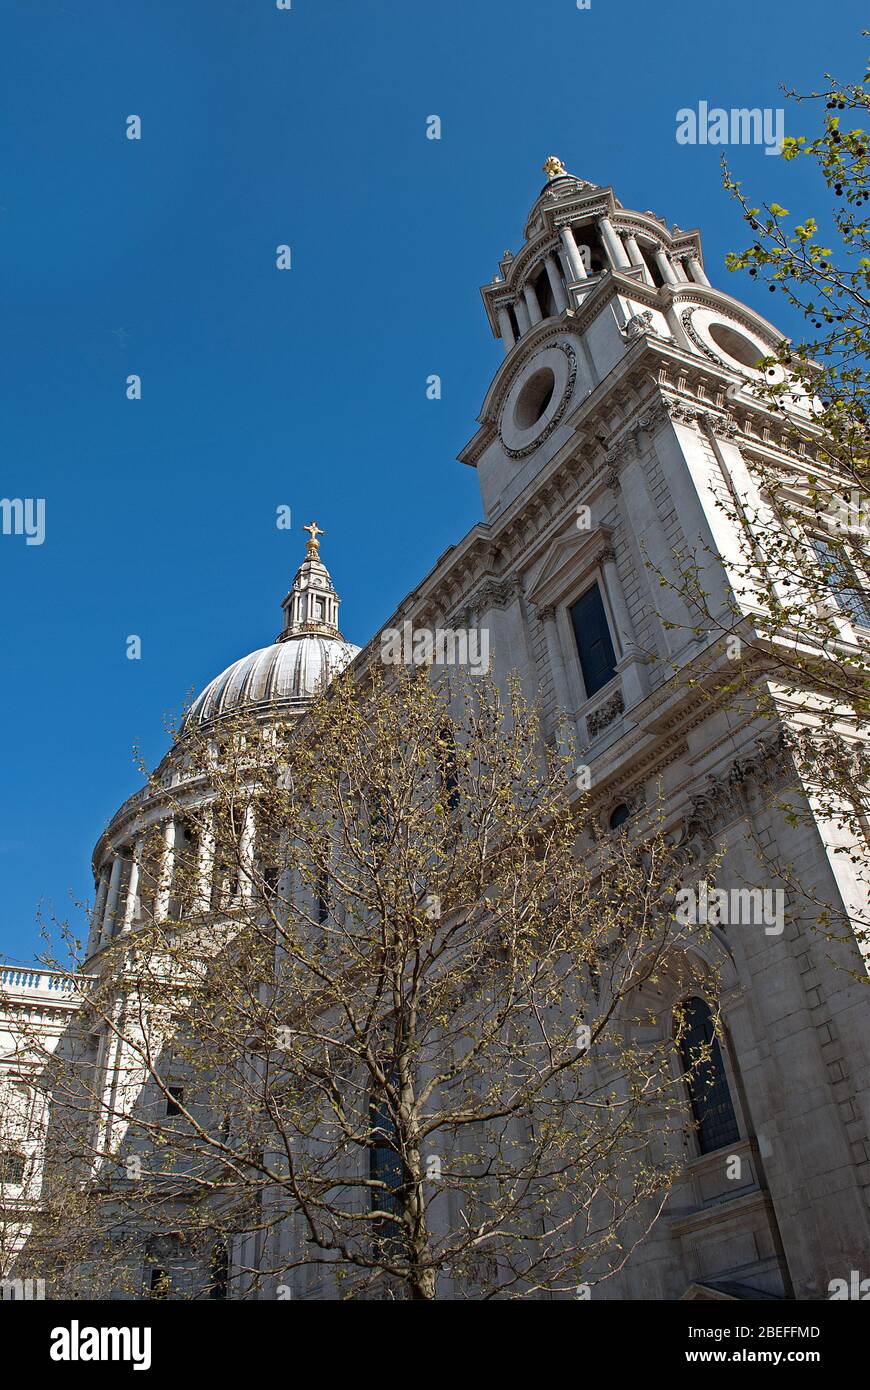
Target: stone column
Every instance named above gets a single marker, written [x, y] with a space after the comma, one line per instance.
[506, 328]
[284, 885]
[573, 258]
[98, 911]
[205, 867]
[613, 244]
[534, 307]
[246, 854]
[663, 261]
[640, 514]
[167, 869]
[635, 255]
[133, 887]
[556, 284]
[112, 898]
[522, 314]
[557, 666]
[630, 658]
[697, 270]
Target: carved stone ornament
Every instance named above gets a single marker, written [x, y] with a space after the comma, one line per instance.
[692, 332]
[638, 325]
[723, 798]
[496, 593]
[673, 409]
[605, 714]
[724, 425]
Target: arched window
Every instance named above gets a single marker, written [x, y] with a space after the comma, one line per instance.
[618, 816]
[709, 1092]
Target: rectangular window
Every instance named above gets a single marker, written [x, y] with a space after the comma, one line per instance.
[12, 1168]
[843, 582]
[174, 1100]
[592, 635]
[322, 896]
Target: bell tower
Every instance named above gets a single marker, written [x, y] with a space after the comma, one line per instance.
[592, 288]
[620, 435]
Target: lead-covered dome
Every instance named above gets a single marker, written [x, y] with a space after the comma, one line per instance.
[306, 656]
[284, 674]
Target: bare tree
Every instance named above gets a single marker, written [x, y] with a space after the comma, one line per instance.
[391, 1019]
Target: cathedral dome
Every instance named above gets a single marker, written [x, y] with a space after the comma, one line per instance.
[285, 674]
[305, 657]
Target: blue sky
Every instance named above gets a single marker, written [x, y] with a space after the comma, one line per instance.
[306, 388]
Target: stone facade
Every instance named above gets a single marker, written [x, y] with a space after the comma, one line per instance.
[37, 1008]
[620, 415]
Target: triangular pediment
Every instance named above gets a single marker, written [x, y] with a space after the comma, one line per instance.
[566, 557]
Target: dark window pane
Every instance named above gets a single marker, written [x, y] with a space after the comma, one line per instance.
[385, 1164]
[219, 1273]
[592, 635]
[322, 896]
[12, 1168]
[708, 1084]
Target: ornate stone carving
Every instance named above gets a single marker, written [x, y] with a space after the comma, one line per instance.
[496, 593]
[605, 714]
[672, 409]
[638, 326]
[723, 798]
[725, 425]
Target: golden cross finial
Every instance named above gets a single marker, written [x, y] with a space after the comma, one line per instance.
[553, 167]
[313, 546]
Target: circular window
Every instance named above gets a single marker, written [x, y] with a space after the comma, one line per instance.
[740, 348]
[535, 397]
[618, 816]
